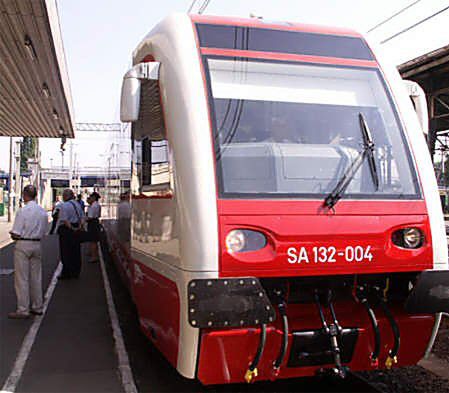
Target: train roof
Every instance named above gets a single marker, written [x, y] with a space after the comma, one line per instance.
[271, 24]
[172, 22]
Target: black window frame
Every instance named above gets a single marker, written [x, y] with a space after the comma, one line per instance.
[283, 41]
[147, 138]
[146, 180]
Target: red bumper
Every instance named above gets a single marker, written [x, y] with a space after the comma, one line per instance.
[225, 354]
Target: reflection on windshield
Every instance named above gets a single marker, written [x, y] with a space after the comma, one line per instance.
[294, 130]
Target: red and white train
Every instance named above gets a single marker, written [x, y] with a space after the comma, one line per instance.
[283, 218]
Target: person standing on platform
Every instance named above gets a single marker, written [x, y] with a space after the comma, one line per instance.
[71, 220]
[93, 225]
[79, 199]
[30, 226]
[124, 220]
[55, 214]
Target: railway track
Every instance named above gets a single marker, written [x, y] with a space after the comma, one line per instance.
[363, 382]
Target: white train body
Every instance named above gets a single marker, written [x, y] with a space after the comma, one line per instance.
[189, 191]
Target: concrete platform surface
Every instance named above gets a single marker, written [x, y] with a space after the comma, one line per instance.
[74, 349]
[5, 227]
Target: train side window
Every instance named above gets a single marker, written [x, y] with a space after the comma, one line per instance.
[155, 165]
[151, 152]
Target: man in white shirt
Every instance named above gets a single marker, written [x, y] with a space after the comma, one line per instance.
[30, 226]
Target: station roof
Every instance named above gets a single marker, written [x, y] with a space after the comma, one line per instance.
[429, 62]
[35, 98]
[431, 71]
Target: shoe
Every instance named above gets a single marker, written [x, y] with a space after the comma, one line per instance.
[18, 315]
[36, 312]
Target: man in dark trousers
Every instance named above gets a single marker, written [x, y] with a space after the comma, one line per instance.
[71, 219]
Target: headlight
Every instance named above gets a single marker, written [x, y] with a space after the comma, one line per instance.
[413, 237]
[235, 241]
[408, 238]
[241, 240]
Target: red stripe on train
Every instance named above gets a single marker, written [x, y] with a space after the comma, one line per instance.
[289, 57]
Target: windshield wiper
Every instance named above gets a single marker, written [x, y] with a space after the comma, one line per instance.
[368, 152]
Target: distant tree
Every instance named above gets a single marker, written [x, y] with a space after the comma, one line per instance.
[27, 150]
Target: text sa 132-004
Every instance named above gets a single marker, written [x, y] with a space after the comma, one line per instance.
[330, 254]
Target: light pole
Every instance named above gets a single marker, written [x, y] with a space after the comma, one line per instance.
[18, 178]
[108, 186]
[10, 191]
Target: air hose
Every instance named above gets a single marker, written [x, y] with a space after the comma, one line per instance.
[283, 351]
[320, 312]
[392, 353]
[252, 371]
[372, 317]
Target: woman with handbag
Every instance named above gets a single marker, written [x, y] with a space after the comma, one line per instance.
[93, 225]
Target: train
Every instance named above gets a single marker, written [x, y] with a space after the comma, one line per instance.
[283, 217]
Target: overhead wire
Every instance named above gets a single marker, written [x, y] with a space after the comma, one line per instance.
[203, 6]
[393, 16]
[414, 25]
[191, 5]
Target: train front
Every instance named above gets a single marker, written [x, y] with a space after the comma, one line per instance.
[327, 218]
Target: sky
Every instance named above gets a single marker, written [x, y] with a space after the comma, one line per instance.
[100, 35]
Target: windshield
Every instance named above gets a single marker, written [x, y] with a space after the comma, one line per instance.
[291, 130]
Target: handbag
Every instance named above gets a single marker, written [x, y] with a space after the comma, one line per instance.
[80, 233]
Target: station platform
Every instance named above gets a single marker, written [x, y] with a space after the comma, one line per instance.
[5, 227]
[73, 350]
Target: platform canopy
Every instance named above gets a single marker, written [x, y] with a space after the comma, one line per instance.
[35, 98]
[431, 71]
